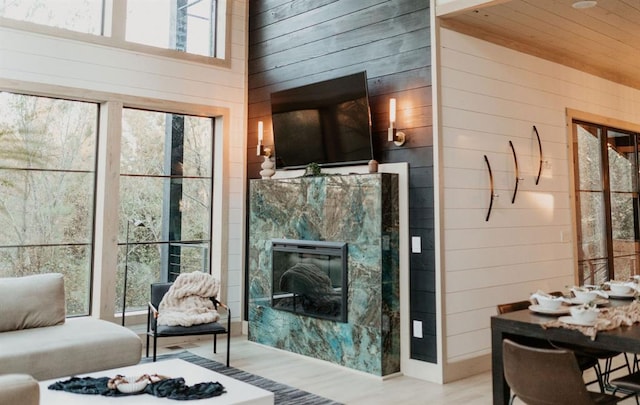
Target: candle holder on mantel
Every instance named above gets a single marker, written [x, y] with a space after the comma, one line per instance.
[267, 166]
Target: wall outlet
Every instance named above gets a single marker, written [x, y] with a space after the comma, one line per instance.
[416, 244]
[417, 329]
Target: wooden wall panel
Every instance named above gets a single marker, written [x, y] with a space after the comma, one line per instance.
[293, 43]
[491, 95]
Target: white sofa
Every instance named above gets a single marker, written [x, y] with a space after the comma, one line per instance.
[37, 340]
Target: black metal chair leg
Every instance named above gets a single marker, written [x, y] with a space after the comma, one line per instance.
[228, 334]
[155, 345]
[147, 345]
[215, 343]
[599, 377]
[228, 345]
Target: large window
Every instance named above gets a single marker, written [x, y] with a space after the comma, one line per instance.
[192, 26]
[165, 200]
[606, 162]
[47, 181]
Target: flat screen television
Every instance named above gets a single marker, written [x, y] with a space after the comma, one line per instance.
[328, 123]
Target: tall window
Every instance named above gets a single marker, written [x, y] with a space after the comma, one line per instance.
[47, 181]
[606, 161]
[165, 199]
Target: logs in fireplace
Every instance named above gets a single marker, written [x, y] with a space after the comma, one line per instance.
[310, 278]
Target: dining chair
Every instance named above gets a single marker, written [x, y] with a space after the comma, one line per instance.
[585, 362]
[158, 290]
[539, 376]
[607, 356]
[628, 384]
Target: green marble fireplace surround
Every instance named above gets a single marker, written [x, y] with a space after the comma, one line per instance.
[360, 210]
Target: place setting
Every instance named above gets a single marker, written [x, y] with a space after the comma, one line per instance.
[583, 315]
[589, 294]
[548, 304]
[622, 290]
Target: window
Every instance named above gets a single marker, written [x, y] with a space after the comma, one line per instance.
[75, 15]
[47, 181]
[183, 25]
[191, 26]
[606, 162]
[165, 200]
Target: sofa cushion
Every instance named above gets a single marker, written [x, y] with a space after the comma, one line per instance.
[19, 389]
[32, 301]
[81, 345]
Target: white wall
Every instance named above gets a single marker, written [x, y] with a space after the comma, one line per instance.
[39, 62]
[491, 95]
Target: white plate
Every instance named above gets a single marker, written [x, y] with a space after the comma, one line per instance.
[572, 321]
[560, 311]
[622, 296]
[597, 301]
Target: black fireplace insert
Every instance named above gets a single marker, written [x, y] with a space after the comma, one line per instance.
[310, 278]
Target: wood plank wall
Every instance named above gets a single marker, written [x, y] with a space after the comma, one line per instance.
[293, 43]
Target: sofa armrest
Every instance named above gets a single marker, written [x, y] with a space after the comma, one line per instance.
[19, 389]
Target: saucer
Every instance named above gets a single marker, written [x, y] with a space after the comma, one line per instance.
[560, 311]
[626, 296]
[597, 301]
[572, 321]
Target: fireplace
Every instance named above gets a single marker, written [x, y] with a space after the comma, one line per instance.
[310, 278]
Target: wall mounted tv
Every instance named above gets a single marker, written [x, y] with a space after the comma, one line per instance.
[327, 123]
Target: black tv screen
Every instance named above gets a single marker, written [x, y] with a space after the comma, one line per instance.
[327, 123]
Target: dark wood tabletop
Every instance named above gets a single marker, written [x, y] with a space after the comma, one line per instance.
[528, 324]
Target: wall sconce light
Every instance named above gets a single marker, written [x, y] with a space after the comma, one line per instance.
[261, 150]
[395, 136]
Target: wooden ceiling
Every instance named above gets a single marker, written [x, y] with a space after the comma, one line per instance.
[603, 40]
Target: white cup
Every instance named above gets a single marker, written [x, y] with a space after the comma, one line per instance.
[550, 303]
[584, 296]
[583, 313]
[620, 288]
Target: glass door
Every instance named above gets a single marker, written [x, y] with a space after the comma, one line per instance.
[606, 162]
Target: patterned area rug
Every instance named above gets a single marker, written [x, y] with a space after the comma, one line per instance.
[284, 394]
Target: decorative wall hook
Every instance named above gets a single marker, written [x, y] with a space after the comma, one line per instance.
[540, 149]
[492, 193]
[517, 173]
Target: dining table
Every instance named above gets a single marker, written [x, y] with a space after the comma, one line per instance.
[529, 324]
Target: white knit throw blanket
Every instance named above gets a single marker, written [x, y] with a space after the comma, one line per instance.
[187, 302]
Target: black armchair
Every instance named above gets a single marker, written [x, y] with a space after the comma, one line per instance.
[158, 290]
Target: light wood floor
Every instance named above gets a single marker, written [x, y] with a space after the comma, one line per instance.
[341, 384]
